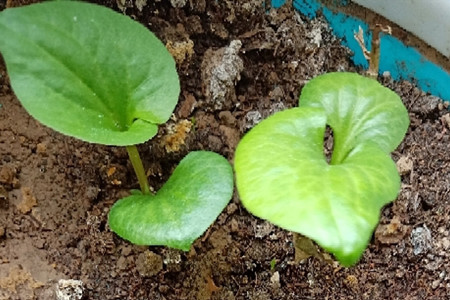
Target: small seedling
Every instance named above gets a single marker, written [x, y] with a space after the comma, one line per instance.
[282, 174]
[273, 264]
[99, 76]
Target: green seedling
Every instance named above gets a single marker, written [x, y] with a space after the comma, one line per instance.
[282, 174]
[91, 73]
[273, 264]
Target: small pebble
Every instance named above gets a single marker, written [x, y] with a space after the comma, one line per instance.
[446, 119]
[445, 243]
[252, 118]
[69, 289]
[421, 239]
[275, 280]
[435, 284]
[404, 165]
[263, 230]
[149, 264]
[178, 3]
[41, 148]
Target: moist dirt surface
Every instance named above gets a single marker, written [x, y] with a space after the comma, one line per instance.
[56, 191]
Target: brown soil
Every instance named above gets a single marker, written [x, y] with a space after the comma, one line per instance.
[55, 191]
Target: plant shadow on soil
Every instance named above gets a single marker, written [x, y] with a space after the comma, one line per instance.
[55, 191]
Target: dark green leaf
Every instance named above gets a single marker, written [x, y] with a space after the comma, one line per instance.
[182, 210]
[88, 72]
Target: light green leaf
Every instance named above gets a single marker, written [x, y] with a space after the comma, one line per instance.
[88, 72]
[358, 109]
[283, 176]
[182, 210]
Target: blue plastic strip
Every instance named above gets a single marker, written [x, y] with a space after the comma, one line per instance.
[308, 8]
[345, 28]
[409, 64]
[401, 61]
[277, 3]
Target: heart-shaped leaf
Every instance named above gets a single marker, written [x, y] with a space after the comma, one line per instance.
[88, 72]
[282, 174]
[181, 211]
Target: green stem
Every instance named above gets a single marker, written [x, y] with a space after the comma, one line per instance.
[138, 168]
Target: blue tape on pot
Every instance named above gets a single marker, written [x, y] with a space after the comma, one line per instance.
[277, 3]
[407, 63]
[401, 61]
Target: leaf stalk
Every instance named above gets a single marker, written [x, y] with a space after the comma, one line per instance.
[138, 168]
